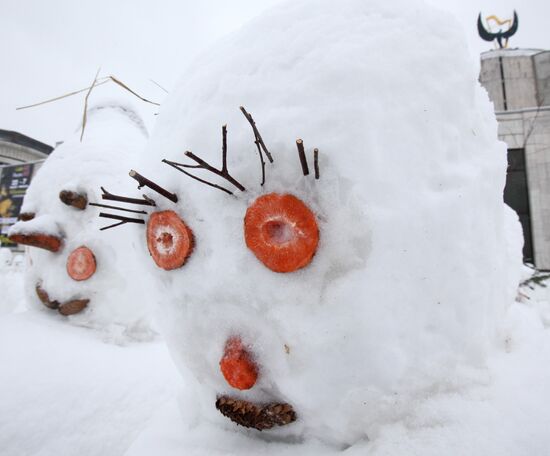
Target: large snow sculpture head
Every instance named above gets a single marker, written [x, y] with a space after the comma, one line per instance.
[78, 270]
[322, 307]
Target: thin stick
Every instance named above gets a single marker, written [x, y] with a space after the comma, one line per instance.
[124, 86]
[178, 166]
[84, 115]
[316, 162]
[257, 133]
[123, 199]
[158, 85]
[113, 225]
[144, 182]
[117, 208]
[123, 220]
[104, 80]
[302, 155]
[223, 172]
[121, 217]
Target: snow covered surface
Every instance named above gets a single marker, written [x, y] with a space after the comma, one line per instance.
[510, 52]
[64, 391]
[113, 140]
[419, 258]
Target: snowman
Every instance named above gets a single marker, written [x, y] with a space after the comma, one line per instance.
[73, 268]
[333, 244]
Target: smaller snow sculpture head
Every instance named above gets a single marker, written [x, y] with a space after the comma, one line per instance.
[76, 269]
[325, 307]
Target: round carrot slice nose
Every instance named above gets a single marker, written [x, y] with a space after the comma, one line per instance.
[81, 263]
[169, 239]
[237, 365]
[281, 231]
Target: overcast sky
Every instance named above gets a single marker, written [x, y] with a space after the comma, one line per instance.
[52, 47]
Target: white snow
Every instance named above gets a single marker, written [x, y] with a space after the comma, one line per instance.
[419, 258]
[118, 291]
[403, 335]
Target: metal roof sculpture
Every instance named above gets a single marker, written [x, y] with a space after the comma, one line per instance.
[500, 35]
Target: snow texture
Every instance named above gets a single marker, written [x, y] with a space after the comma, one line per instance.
[119, 304]
[419, 259]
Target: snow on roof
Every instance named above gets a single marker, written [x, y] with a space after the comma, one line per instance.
[516, 52]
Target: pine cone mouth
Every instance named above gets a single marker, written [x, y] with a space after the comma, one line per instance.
[257, 416]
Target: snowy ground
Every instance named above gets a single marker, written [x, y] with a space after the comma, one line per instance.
[66, 391]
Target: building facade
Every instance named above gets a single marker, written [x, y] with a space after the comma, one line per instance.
[17, 148]
[518, 83]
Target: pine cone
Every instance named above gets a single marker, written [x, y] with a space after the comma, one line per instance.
[259, 417]
[45, 298]
[73, 307]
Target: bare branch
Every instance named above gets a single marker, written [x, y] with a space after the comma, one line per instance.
[302, 155]
[122, 220]
[123, 199]
[104, 80]
[223, 172]
[316, 162]
[144, 182]
[178, 167]
[257, 133]
[84, 115]
[107, 206]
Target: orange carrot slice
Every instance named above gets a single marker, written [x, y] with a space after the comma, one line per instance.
[81, 264]
[281, 231]
[42, 241]
[237, 365]
[169, 239]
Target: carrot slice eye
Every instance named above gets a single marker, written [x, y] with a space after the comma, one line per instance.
[281, 231]
[169, 240]
[81, 264]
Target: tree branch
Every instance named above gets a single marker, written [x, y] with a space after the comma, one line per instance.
[144, 182]
[122, 220]
[146, 201]
[316, 162]
[302, 155]
[107, 206]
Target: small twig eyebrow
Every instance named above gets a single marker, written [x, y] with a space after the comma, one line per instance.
[144, 182]
[316, 162]
[223, 172]
[259, 143]
[302, 155]
[146, 201]
[118, 208]
[122, 220]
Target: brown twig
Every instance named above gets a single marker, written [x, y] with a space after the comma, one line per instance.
[144, 182]
[316, 162]
[302, 155]
[122, 220]
[146, 201]
[257, 133]
[118, 208]
[223, 172]
[259, 143]
[177, 166]
[84, 115]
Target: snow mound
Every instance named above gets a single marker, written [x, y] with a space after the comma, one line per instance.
[113, 139]
[418, 257]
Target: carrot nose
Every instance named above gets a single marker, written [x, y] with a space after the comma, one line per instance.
[237, 365]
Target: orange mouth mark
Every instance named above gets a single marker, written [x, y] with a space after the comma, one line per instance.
[281, 231]
[237, 366]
